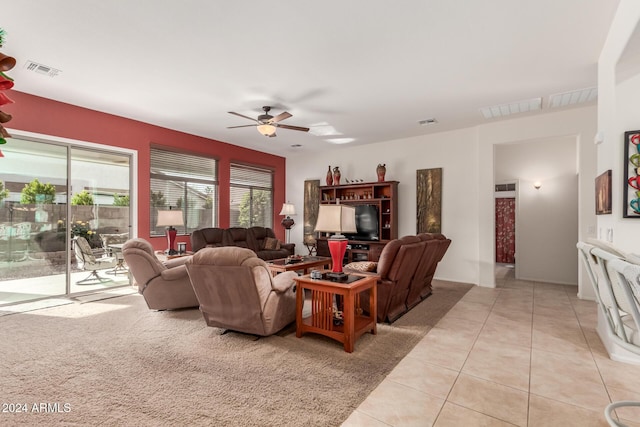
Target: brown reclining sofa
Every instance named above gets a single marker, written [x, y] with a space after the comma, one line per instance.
[261, 240]
[406, 268]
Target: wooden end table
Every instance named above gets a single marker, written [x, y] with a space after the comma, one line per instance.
[280, 265]
[321, 320]
[163, 257]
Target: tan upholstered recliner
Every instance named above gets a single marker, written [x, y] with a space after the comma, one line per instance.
[236, 291]
[165, 286]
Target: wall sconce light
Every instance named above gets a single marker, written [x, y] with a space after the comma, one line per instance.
[537, 185]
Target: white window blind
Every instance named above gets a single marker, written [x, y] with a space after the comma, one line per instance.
[251, 193]
[186, 182]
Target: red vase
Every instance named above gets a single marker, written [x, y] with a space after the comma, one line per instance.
[329, 176]
[381, 170]
[336, 176]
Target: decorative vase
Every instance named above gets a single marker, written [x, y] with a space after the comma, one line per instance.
[336, 176]
[329, 176]
[381, 170]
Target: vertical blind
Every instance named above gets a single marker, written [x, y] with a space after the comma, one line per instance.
[186, 182]
[251, 195]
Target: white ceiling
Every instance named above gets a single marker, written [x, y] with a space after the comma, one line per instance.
[368, 69]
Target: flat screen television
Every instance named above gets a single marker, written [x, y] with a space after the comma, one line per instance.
[366, 223]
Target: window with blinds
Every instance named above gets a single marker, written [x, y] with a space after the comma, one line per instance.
[251, 194]
[186, 182]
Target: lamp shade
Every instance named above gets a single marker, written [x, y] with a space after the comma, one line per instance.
[336, 219]
[288, 209]
[267, 130]
[169, 218]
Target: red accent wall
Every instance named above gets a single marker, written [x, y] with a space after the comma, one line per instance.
[45, 116]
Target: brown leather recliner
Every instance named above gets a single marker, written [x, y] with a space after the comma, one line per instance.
[236, 291]
[396, 278]
[396, 268]
[443, 245]
[419, 281]
[240, 237]
[258, 237]
[163, 286]
[211, 237]
[253, 238]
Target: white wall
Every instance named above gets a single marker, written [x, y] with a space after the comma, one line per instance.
[618, 109]
[454, 151]
[548, 214]
[466, 156]
[617, 113]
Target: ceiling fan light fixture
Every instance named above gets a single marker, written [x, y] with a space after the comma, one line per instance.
[267, 130]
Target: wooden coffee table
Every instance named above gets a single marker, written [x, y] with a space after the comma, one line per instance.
[305, 265]
[321, 320]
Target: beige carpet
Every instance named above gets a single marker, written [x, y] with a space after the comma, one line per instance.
[114, 362]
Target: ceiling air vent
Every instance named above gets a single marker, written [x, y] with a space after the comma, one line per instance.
[573, 97]
[512, 108]
[427, 122]
[506, 187]
[41, 69]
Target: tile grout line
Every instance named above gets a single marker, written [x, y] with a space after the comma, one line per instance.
[604, 384]
[533, 305]
[465, 361]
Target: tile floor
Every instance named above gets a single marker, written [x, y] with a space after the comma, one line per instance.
[523, 354]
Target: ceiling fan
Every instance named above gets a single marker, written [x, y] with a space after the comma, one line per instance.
[267, 124]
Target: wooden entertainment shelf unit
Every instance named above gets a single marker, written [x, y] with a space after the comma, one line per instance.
[382, 195]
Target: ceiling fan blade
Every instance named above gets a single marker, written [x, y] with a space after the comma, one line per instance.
[242, 115]
[293, 127]
[243, 126]
[281, 116]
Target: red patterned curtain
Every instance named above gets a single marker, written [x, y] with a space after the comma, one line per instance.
[506, 230]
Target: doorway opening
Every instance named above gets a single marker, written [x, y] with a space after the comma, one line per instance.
[505, 230]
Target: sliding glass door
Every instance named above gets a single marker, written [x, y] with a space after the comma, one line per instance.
[50, 195]
[100, 215]
[32, 251]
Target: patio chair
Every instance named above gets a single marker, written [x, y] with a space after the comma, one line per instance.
[626, 277]
[23, 241]
[600, 281]
[88, 262]
[5, 232]
[626, 289]
[624, 294]
[615, 405]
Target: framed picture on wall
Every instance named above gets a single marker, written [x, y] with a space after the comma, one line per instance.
[429, 200]
[603, 193]
[631, 176]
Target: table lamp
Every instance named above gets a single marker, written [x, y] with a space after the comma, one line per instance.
[287, 221]
[336, 219]
[169, 219]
